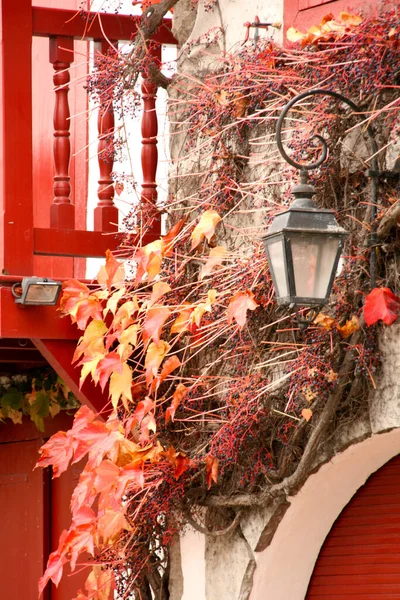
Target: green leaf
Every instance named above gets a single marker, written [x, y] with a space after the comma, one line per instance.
[12, 399]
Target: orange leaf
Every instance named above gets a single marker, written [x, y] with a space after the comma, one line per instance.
[182, 321]
[179, 460]
[179, 394]
[212, 466]
[154, 356]
[349, 19]
[110, 524]
[306, 413]
[160, 288]
[170, 365]
[205, 228]
[154, 322]
[149, 260]
[239, 304]
[216, 258]
[87, 308]
[170, 238]
[349, 327]
[381, 305]
[325, 321]
[113, 273]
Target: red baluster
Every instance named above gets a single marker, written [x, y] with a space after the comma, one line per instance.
[149, 140]
[62, 212]
[105, 213]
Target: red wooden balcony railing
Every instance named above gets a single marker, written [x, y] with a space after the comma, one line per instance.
[31, 224]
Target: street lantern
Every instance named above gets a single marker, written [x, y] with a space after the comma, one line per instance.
[303, 247]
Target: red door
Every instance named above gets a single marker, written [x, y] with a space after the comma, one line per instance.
[360, 558]
[34, 510]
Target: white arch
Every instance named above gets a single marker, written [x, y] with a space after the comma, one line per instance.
[285, 567]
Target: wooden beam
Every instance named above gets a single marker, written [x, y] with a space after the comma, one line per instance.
[17, 321]
[58, 354]
[71, 242]
[89, 26]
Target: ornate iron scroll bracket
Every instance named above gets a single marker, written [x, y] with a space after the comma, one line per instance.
[374, 174]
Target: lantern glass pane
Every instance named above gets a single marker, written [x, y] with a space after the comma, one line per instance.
[313, 261]
[278, 267]
[41, 293]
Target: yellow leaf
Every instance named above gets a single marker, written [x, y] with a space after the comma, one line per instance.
[91, 343]
[121, 385]
[205, 228]
[306, 413]
[112, 303]
[127, 339]
[154, 356]
[294, 35]
[90, 366]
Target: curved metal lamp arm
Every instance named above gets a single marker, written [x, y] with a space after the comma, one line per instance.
[324, 154]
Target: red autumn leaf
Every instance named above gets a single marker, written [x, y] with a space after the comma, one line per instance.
[88, 308]
[97, 438]
[381, 305]
[56, 452]
[119, 187]
[212, 466]
[106, 474]
[154, 322]
[109, 364]
[239, 304]
[73, 291]
[180, 461]
[179, 394]
[142, 409]
[53, 571]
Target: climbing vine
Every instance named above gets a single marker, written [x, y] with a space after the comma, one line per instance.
[217, 398]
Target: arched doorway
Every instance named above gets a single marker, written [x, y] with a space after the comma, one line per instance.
[360, 557]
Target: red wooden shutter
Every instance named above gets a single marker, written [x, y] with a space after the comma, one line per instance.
[361, 555]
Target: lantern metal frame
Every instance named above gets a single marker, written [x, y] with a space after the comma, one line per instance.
[304, 202]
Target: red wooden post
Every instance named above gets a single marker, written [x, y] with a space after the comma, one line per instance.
[149, 141]
[16, 207]
[106, 213]
[62, 212]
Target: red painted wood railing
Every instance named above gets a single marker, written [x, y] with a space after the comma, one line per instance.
[20, 239]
